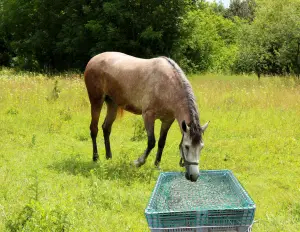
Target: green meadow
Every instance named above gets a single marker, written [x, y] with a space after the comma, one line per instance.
[48, 181]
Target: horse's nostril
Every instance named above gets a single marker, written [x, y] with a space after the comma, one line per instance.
[193, 178]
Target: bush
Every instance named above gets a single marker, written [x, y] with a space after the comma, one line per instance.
[35, 217]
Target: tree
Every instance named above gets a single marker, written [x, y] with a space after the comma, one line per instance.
[244, 9]
[4, 46]
[270, 44]
[208, 41]
[59, 35]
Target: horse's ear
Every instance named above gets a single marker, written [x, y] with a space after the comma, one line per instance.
[183, 126]
[203, 128]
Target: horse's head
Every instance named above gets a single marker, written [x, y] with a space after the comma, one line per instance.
[190, 148]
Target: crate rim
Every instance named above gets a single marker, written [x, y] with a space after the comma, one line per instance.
[199, 227]
[251, 205]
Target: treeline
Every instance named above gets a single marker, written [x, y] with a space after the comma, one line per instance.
[261, 36]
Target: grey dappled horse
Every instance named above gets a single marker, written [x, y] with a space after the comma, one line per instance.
[155, 88]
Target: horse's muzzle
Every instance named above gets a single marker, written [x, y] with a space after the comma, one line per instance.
[192, 178]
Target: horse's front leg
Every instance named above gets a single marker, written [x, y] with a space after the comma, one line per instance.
[165, 126]
[149, 119]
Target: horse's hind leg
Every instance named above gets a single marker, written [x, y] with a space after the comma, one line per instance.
[96, 105]
[112, 109]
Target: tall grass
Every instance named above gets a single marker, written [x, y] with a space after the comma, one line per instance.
[49, 182]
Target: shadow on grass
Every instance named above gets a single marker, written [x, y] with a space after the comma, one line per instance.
[105, 169]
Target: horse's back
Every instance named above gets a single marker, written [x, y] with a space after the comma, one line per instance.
[133, 83]
[116, 64]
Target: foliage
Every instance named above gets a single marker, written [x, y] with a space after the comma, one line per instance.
[250, 36]
[4, 44]
[208, 41]
[47, 35]
[34, 217]
[271, 44]
[244, 9]
[139, 132]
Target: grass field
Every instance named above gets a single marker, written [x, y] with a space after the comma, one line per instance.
[49, 183]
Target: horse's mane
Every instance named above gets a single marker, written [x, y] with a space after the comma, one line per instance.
[195, 128]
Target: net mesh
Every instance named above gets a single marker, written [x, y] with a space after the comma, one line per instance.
[209, 192]
[215, 199]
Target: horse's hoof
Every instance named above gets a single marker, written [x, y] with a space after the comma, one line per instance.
[95, 158]
[109, 156]
[158, 167]
[137, 163]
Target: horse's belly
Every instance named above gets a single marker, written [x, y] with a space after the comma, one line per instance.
[132, 109]
[125, 94]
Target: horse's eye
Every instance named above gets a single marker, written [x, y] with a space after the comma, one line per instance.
[187, 148]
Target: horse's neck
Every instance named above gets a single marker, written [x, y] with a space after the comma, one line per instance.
[183, 114]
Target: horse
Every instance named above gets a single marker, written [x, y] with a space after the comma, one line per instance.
[154, 88]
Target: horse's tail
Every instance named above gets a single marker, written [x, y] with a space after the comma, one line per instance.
[120, 112]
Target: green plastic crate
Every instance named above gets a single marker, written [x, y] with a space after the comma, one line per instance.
[216, 200]
[206, 229]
